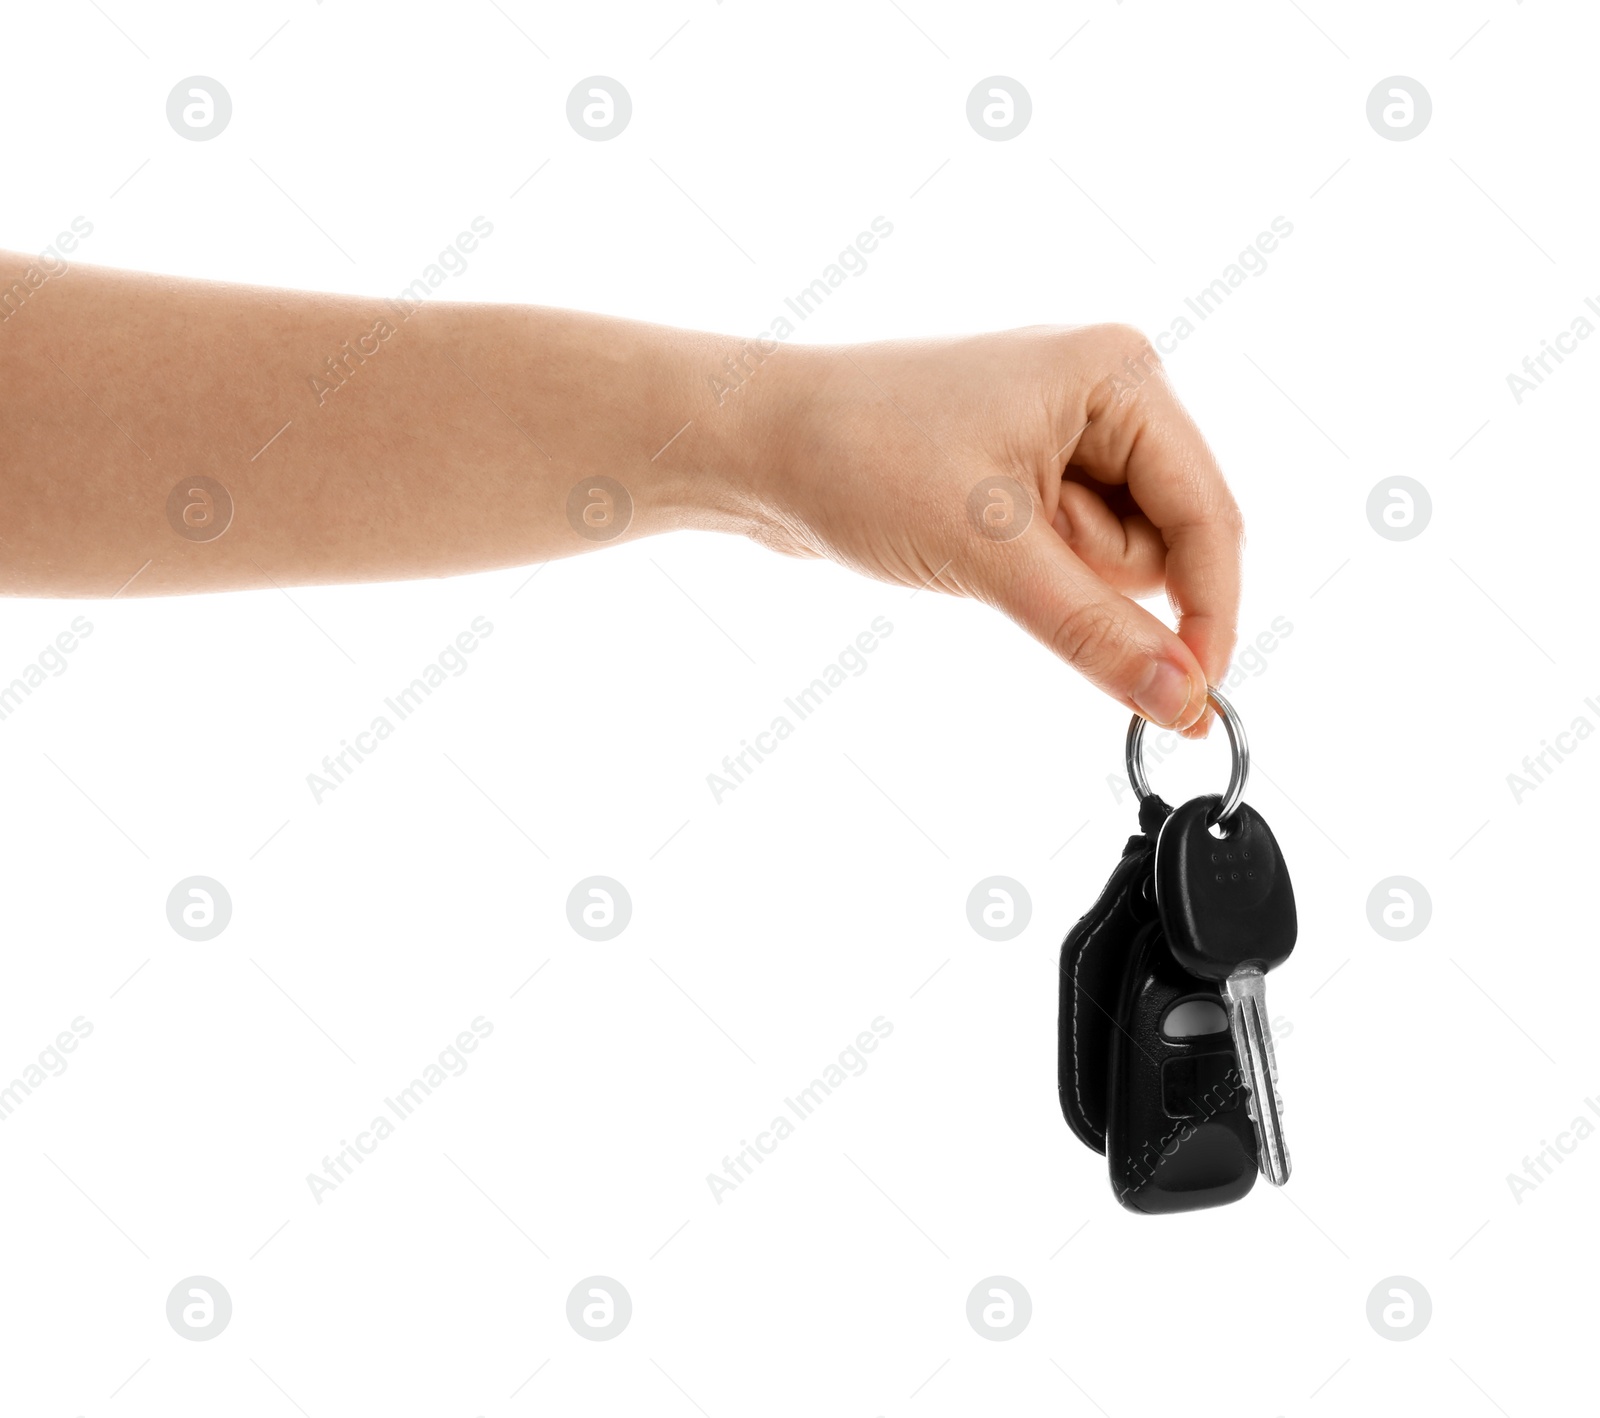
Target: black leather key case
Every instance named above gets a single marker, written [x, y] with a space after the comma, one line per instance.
[1094, 961]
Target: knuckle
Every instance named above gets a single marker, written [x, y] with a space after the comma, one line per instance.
[1125, 340]
[1128, 360]
[1089, 636]
[1232, 518]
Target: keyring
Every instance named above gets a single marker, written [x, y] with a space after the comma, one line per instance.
[1134, 757]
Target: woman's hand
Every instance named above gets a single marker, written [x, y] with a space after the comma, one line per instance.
[1051, 473]
[317, 438]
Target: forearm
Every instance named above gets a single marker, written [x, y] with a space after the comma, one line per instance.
[352, 439]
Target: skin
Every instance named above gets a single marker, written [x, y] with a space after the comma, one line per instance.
[1050, 473]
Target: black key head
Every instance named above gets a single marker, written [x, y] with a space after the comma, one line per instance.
[1225, 901]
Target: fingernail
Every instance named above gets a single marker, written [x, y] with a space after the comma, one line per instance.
[1164, 695]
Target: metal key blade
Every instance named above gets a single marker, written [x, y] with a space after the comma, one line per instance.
[1246, 990]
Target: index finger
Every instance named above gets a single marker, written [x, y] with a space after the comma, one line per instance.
[1142, 436]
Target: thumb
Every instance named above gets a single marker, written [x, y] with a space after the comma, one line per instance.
[1113, 642]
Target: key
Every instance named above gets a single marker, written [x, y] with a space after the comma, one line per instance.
[1227, 908]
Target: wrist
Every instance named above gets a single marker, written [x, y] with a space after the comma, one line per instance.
[750, 402]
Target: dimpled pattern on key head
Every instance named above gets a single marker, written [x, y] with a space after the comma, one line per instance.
[1225, 901]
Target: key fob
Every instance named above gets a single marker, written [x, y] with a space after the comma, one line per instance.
[1178, 1136]
[1235, 888]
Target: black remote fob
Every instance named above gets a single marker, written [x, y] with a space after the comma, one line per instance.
[1178, 1135]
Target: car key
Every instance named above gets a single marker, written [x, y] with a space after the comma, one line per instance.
[1149, 1069]
[1228, 913]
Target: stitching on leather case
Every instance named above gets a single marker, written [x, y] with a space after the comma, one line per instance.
[1077, 1056]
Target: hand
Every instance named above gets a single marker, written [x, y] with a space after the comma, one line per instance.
[1051, 473]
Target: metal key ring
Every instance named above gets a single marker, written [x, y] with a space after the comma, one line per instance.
[1236, 742]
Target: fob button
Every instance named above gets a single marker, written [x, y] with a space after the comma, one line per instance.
[1194, 1018]
[1201, 1087]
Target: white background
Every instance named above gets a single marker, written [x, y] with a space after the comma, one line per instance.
[769, 930]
